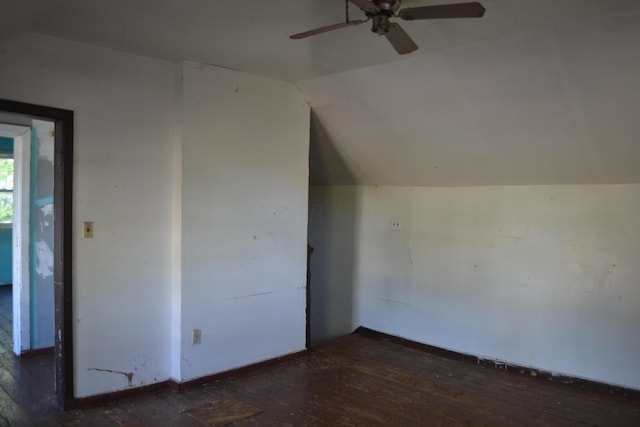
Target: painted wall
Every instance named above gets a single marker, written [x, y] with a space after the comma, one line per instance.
[41, 235]
[543, 276]
[6, 145]
[6, 270]
[124, 131]
[6, 266]
[196, 180]
[244, 218]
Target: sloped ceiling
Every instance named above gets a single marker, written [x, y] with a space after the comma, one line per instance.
[536, 92]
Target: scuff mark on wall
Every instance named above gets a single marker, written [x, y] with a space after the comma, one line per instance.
[129, 375]
[508, 236]
[253, 295]
[392, 301]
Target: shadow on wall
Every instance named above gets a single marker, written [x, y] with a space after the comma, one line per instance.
[332, 234]
[327, 166]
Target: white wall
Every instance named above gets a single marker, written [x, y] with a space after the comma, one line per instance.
[196, 180]
[244, 218]
[124, 119]
[543, 276]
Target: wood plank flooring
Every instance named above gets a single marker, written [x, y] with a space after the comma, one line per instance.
[354, 381]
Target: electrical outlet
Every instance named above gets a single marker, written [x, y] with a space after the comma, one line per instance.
[396, 224]
[196, 337]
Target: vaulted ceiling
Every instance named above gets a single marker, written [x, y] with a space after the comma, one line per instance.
[535, 92]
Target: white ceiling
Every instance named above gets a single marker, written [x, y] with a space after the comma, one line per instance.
[542, 91]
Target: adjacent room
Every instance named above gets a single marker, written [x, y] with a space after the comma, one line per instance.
[207, 188]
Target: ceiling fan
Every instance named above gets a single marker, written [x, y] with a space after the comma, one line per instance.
[379, 12]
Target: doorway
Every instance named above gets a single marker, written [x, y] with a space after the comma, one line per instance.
[332, 232]
[26, 231]
[62, 235]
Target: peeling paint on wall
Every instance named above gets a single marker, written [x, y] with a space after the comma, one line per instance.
[45, 151]
[41, 235]
[44, 266]
[47, 212]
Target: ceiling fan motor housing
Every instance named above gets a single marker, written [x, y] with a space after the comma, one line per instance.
[387, 7]
[380, 19]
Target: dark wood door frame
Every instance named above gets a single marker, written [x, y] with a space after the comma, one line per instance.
[62, 234]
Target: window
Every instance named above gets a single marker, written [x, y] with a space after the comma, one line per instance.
[6, 191]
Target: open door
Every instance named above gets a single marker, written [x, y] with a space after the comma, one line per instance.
[62, 236]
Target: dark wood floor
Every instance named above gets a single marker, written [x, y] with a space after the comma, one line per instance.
[355, 381]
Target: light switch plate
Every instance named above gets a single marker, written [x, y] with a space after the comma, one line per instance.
[196, 337]
[87, 229]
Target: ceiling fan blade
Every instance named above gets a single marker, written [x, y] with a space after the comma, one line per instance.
[366, 5]
[325, 29]
[442, 11]
[400, 40]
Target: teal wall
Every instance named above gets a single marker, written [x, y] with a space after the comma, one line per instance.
[6, 145]
[6, 252]
[5, 256]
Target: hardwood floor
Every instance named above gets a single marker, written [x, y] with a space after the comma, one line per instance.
[355, 381]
